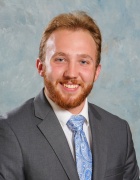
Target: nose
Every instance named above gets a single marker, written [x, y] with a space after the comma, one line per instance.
[71, 71]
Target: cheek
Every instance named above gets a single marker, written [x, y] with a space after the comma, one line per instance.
[87, 75]
[53, 73]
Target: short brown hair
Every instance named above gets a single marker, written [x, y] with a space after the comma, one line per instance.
[72, 21]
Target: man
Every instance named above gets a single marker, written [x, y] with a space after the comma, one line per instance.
[40, 141]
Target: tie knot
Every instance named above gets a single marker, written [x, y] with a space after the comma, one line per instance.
[75, 123]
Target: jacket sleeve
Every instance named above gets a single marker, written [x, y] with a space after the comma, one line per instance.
[11, 162]
[131, 167]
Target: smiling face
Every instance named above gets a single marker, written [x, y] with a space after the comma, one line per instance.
[69, 69]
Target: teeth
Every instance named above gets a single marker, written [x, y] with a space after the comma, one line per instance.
[71, 86]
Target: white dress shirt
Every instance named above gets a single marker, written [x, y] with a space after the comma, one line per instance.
[64, 115]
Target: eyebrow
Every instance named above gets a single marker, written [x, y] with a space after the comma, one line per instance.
[85, 56]
[79, 55]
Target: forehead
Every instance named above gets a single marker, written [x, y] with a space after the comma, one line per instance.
[73, 32]
[71, 38]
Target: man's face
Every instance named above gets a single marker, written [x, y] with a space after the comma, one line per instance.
[69, 69]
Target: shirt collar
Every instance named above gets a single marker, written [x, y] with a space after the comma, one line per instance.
[64, 115]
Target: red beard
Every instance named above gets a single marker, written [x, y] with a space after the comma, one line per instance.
[66, 101]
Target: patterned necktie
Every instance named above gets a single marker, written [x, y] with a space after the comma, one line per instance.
[82, 150]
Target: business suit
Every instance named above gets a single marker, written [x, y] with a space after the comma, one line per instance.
[33, 145]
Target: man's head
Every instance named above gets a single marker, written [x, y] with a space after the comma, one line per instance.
[69, 59]
[72, 21]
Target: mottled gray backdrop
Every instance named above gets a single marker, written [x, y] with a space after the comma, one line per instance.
[118, 88]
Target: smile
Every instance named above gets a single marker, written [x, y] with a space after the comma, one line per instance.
[71, 86]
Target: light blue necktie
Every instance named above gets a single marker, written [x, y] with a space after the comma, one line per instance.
[82, 150]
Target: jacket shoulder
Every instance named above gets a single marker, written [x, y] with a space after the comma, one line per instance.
[19, 113]
[105, 116]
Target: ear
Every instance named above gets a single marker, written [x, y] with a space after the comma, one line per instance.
[97, 72]
[39, 65]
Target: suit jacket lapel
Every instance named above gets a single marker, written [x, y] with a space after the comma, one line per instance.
[99, 143]
[52, 131]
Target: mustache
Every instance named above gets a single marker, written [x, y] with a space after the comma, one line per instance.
[69, 81]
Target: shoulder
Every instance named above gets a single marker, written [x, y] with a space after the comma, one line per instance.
[18, 113]
[107, 118]
[115, 128]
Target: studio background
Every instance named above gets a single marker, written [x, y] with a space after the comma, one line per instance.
[118, 87]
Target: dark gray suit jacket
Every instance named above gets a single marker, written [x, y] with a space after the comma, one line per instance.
[33, 145]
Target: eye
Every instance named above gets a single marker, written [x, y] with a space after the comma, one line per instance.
[84, 62]
[59, 60]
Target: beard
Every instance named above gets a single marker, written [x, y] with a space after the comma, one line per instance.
[66, 101]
